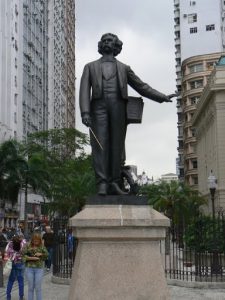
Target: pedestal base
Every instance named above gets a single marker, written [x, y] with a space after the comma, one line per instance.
[118, 255]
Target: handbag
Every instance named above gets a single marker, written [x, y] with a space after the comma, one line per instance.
[7, 268]
[8, 265]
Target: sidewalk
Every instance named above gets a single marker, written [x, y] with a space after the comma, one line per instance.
[52, 291]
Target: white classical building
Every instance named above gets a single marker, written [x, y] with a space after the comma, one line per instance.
[168, 177]
[209, 122]
[199, 41]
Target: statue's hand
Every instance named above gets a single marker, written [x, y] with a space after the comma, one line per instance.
[86, 119]
[170, 96]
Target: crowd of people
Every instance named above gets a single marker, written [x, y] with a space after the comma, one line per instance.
[29, 257]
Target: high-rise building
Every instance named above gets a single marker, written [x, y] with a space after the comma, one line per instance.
[23, 68]
[10, 69]
[61, 63]
[37, 66]
[199, 42]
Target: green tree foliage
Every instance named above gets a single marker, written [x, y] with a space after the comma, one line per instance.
[53, 164]
[71, 177]
[206, 234]
[176, 200]
[12, 165]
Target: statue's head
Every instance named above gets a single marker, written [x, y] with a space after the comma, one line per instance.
[117, 44]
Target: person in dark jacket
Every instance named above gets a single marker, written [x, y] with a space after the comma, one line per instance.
[48, 238]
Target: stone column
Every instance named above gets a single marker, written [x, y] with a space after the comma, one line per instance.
[118, 255]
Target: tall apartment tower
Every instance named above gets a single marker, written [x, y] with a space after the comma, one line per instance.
[10, 68]
[61, 63]
[23, 68]
[199, 42]
[37, 66]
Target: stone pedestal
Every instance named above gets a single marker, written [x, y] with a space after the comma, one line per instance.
[118, 255]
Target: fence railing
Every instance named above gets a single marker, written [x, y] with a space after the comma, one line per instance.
[192, 253]
[64, 248]
[197, 252]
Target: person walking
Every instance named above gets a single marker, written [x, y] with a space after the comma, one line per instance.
[48, 238]
[14, 252]
[34, 255]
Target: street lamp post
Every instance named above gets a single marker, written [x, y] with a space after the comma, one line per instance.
[215, 265]
[212, 182]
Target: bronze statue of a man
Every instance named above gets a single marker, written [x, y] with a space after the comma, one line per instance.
[103, 100]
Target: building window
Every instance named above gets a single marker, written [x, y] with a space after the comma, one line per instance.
[194, 164]
[196, 68]
[210, 65]
[210, 27]
[192, 18]
[15, 79]
[15, 117]
[192, 3]
[180, 131]
[193, 132]
[196, 84]
[16, 10]
[181, 144]
[15, 98]
[16, 46]
[194, 100]
[15, 62]
[180, 117]
[195, 180]
[193, 30]
[15, 134]
[16, 27]
[181, 172]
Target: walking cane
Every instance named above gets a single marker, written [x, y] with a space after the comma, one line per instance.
[96, 138]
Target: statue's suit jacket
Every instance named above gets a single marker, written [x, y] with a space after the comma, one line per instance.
[91, 84]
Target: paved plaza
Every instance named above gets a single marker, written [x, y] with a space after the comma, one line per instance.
[52, 291]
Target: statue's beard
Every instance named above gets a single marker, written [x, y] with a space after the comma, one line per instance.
[107, 49]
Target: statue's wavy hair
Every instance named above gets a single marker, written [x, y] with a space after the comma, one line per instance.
[117, 44]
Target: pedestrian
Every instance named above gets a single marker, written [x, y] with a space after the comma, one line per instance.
[70, 243]
[14, 252]
[3, 240]
[48, 238]
[34, 255]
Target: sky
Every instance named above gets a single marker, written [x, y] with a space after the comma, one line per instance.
[146, 29]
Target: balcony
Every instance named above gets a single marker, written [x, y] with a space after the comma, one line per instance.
[178, 81]
[190, 108]
[191, 172]
[178, 54]
[178, 68]
[177, 41]
[176, 13]
[177, 27]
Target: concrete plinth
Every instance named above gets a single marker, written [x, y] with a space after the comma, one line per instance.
[118, 255]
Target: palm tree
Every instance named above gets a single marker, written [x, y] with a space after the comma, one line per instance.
[12, 163]
[176, 200]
